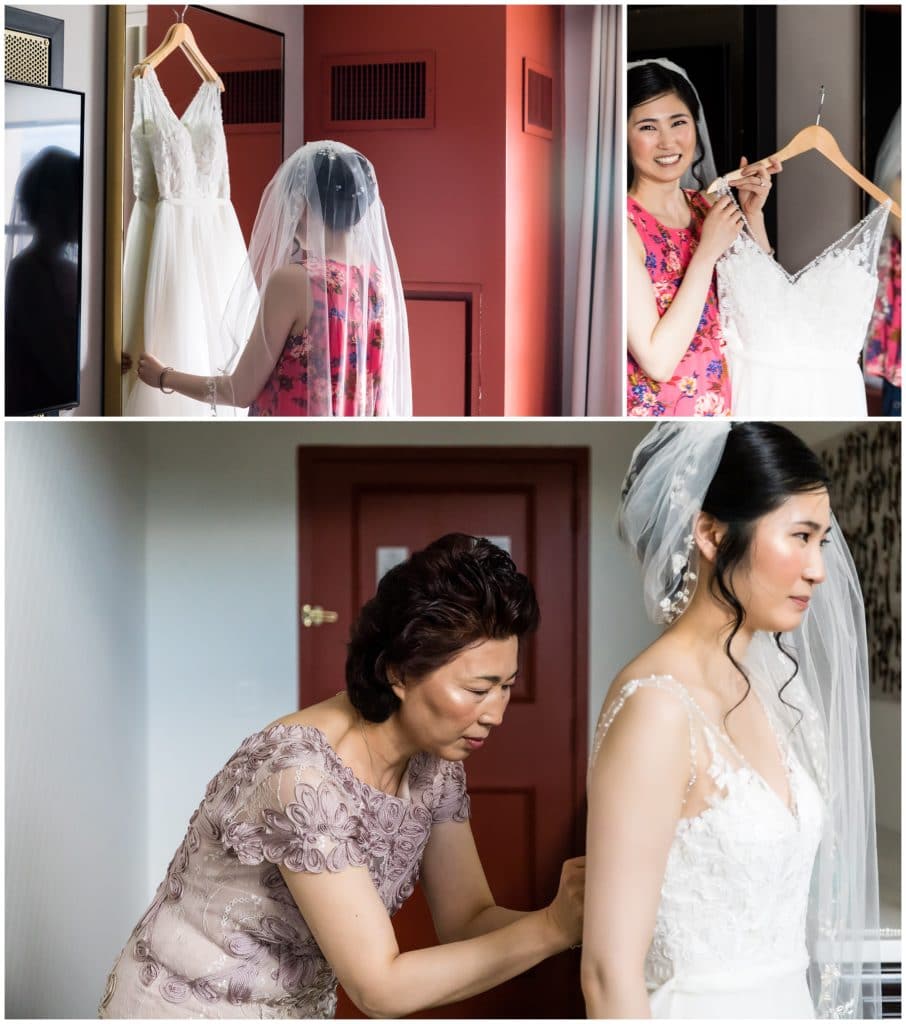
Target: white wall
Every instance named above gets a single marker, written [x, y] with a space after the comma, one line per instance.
[76, 804]
[816, 204]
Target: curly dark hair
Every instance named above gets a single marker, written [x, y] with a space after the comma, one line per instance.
[650, 81]
[762, 465]
[455, 593]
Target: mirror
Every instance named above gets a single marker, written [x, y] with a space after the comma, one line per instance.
[43, 197]
[142, 247]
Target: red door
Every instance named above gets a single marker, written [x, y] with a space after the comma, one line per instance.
[361, 507]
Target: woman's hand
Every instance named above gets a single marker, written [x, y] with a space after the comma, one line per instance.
[566, 910]
[755, 186]
[149, 369]
[722, 224]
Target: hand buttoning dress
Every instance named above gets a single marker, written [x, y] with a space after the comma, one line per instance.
[700, 385]
[223, 937]
[184, 247]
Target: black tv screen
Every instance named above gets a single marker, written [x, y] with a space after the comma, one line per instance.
[43, 197]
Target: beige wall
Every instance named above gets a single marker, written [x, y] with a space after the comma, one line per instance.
[816, 204]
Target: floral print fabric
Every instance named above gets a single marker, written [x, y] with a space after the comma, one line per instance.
[333, 368]
[223, 937]
[882, 354]
[700, 385]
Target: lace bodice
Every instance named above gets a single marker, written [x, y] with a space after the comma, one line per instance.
[735, 890]
[814, 321]
[178, 158]
[223, 936]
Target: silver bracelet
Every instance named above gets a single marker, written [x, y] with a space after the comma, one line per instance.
[160, 382]
[211, 388]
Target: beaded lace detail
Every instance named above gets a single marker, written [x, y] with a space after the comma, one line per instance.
[178, 158]
[794, 340]
[736, 885]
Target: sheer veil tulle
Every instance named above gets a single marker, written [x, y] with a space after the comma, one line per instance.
[322, 211]
[889, 163]
[825, 707]
[706, 168]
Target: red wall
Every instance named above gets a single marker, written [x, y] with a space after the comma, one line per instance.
[452, 192]
[533, 221]
[254, 151]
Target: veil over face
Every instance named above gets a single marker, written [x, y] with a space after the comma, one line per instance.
[825, 706]
[347, 354]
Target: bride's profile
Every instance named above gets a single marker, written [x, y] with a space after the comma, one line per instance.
[731, 857]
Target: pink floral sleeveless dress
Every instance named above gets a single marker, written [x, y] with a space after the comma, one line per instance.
[314, 378]
[701, 384]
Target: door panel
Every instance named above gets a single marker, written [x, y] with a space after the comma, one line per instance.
[527, 785]
[439, 355]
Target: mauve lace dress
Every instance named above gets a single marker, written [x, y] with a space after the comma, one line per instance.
[223, 936]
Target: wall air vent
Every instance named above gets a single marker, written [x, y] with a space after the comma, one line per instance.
[252, 97]
[537, 100]
[379, 91]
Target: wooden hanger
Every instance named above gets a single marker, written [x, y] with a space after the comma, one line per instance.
[179, 37]
[818, 138]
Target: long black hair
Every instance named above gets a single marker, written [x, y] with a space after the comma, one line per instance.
[648, 82]
[762, 465]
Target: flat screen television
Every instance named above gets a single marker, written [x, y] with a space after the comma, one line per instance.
[43, 189]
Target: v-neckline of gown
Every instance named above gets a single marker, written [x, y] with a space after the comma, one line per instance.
[791, 807]
[168, 106]
[794, 279]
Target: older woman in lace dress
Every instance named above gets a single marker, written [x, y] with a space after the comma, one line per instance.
[314, 832]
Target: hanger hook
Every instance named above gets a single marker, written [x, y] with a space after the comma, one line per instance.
[181, 17]
[820, 105]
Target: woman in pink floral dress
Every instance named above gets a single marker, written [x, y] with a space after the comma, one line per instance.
[315, 831]
[676, 364]
[313, 369]
[317, 319]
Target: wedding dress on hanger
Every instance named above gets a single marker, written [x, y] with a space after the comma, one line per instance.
[184, 247]
[794, 340]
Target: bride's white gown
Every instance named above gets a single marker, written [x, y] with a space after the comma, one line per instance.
[184, 247]
[794, 340]
[729, 939]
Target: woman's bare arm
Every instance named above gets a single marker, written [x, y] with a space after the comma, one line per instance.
[636, 795]
[659, 343]
[461, 902]
[353, 930]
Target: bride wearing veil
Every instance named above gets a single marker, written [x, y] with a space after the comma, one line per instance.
[317, 321]
[731, 858]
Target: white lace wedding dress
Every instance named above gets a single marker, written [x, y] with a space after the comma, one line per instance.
[729, 938]
[184, 247]
[794, 340]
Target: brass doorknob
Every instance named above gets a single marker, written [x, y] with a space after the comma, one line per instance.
[314, 615]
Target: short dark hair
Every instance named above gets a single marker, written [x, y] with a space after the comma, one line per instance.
[455, 593]
[649, 81]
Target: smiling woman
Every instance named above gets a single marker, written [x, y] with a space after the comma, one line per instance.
[315, 831]
[676, 364]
